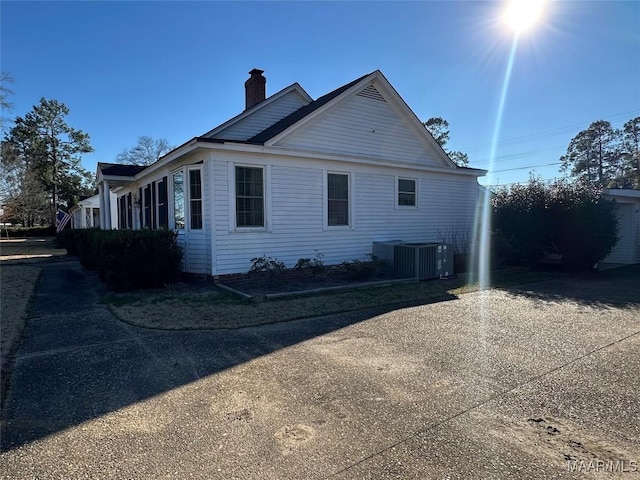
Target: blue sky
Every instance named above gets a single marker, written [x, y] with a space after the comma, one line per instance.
[176, 69]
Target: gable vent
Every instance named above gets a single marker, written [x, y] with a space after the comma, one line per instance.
[371, 92]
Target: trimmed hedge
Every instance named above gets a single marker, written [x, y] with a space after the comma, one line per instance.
[127, 259]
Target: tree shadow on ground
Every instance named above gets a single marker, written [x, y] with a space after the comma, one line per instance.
[78, 362]
[619, 288]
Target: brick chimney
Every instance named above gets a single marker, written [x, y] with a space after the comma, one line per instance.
[255, 88]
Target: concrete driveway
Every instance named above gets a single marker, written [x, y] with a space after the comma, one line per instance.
[537, 382]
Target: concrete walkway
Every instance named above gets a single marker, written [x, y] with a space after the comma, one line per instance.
[526, 383]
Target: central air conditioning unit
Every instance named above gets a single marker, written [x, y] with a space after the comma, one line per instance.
[415, 260]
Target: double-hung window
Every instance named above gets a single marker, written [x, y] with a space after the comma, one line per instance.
[250, 204]
[407, 193]
[337, 199]
[195, 199]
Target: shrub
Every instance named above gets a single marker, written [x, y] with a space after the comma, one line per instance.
[361, 270]
[570, 219]
[128, 259]
[270, 269]
[313, 266]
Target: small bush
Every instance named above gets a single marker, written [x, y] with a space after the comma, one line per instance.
[270, 269]
[128, 259]
[313, 266]
[361, 270]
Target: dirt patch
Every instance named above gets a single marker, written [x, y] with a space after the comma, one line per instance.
[294, 281]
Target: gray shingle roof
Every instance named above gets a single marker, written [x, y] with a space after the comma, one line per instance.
[120, 170]
[299, 114]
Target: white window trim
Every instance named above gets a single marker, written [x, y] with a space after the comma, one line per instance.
[266, 178]
[187, 201]
[397, 191]
[171, 201]
[325, 200]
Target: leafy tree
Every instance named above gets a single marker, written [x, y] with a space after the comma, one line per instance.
[41, 143]
[593, 155]
[146, 152]
[631, 153]
[439, 128]
[570, 219]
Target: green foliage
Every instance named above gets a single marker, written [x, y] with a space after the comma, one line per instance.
[43, 145]
[128, 259]
[438, 127]
[631, 154]
[361, 270]
[270, 269]
[572, 220]
[604, 156]
[313, 266]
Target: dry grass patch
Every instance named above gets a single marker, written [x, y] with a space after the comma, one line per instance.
[17, 284]
[16, 288]
[26, 250]
[213, 308]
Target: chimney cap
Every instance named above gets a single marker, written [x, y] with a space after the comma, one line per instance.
[256, 71]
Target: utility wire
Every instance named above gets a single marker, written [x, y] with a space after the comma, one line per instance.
[544, 134]
[524, 168]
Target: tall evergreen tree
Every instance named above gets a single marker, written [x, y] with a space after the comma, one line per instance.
[439, 129]
[631, 152]
[593, 155]
[43, 143]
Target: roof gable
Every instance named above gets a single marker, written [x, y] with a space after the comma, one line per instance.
[366, 117]
[262, 115]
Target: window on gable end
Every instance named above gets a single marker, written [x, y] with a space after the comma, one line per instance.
[337, 199]
[407, 192]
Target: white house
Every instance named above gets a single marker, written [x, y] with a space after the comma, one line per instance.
[86, 213]
[291, 177]
[627, 250]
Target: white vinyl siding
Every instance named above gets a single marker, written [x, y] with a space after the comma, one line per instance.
[624, 250]
[365, 127]
[298, 227]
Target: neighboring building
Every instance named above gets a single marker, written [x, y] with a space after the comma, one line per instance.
[627, 250]
[86, 213]
[291, 176]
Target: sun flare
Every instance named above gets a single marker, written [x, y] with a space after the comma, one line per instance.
[521, 15]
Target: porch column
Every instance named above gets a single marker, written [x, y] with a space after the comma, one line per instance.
[107, 206]
[102, 207]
